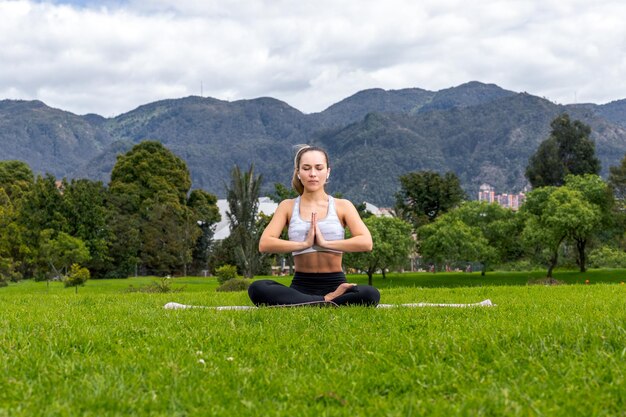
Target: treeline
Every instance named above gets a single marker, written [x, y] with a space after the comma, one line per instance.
[571, 217]
[148, 221]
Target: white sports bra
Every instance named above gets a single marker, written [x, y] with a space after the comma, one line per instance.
[330, 226]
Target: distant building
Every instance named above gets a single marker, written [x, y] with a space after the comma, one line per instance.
[376, 211]
[512, 201]
[222, 229]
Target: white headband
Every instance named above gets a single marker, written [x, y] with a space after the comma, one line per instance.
[295, 159]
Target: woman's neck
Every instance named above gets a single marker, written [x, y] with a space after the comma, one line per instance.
[314, 197]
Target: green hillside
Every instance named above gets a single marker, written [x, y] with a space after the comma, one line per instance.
[481, 132]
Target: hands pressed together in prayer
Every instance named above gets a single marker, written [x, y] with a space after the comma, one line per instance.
[315, 237]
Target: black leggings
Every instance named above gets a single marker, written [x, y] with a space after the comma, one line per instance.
[310, 288]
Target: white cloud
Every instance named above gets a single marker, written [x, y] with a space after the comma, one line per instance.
[109, 57]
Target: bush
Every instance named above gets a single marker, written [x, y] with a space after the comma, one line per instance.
[225, 273]
[77, 276]
[234, 284]
[3, 283]
[607, 257]
[8, 270]
[519, 265]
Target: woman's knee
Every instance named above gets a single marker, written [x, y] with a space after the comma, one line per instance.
[258, 290]
[370, 295]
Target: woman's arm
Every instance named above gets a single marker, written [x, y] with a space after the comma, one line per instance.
[270, 239]
[361, 240]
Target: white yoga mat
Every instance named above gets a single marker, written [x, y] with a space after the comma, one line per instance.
[178, 306]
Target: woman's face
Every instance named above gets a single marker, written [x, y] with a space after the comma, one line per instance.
[313, 170]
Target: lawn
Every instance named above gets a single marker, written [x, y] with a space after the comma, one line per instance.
[556, 351]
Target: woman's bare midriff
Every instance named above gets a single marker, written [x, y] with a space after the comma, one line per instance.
[318, 262]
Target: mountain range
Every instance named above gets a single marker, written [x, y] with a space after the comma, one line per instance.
[482, 132]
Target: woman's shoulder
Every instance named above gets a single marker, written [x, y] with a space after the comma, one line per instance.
[343, 205]
[343, 202]
[286, 205]
[283, 211]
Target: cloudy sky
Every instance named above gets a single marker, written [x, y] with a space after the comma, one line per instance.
[108, 57]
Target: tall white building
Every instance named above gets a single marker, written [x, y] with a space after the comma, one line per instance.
[487, 193]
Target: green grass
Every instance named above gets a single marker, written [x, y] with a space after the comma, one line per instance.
[554, 351]
[498, 278]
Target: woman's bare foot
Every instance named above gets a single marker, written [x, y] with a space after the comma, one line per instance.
[341, 290]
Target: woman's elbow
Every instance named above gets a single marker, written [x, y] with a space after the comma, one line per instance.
[369, 245]
[262, 246]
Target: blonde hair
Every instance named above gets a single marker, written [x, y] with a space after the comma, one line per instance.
[301, 150]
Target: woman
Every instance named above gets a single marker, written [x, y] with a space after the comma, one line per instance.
[317, 244]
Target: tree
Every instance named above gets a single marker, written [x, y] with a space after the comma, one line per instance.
[617, 181]
[424, 195]
[500, 226]
[86, 209]
[540, 242]
[553, 215]
[206, 214]
[77, 276]
[41, 208]
[223, 253]
[169, 233]
[393, 243]
[282, 193]
[362, 210]
[617, 184]
[16, 178]
[153, 225]
[61, 251]
[125, 226]
[149, 170]
[568, 151]
[243, 202]
[12, 250]
[448, 240]
[596, 192]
